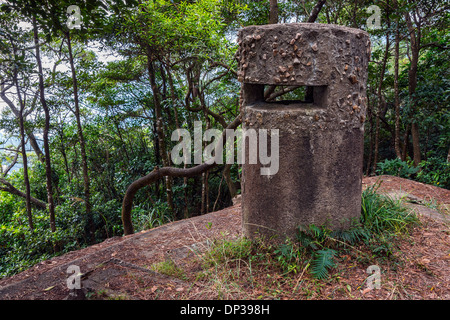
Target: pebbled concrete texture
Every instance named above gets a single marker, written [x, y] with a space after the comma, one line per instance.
[320, 141]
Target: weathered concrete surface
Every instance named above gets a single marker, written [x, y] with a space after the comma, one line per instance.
[321, 142]
[301, 53]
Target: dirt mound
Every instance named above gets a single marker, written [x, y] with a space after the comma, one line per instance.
[422, 191]
[120, 267]
[112, 263]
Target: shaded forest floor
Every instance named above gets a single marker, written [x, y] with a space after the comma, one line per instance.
[168, 262]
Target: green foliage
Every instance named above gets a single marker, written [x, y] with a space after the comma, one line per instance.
[435, 171]
[106, 217]
[315, 242]
[382, 219]
[322, 262]
[318, 249]
[288, 256]
[396, 167]
[8, 205]
[151, 217]
[169, 268]
[224, 251]
[184, 27]
[21, 248]
[380, 213]
[351, 236]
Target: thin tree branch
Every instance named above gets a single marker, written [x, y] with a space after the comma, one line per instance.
[315, 11]
[8, 187]
[159, 173]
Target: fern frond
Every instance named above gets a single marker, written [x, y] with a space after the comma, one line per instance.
[323, 261]
[350, 236]
[317, 231]
[306, 240]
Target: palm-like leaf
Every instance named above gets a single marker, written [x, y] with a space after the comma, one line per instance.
[323, 261]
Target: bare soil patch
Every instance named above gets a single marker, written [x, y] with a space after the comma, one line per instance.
[124, 267]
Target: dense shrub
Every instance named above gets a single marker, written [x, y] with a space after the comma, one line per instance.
[396, 167]
[21, 247]
[434, 170]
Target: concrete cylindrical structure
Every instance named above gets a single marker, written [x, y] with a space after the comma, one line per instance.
[320, 141]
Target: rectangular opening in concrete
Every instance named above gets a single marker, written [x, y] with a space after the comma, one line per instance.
[277, 96]
[313, 96]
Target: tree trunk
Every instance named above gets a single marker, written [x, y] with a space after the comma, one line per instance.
[90, 228]
[416, 143]
[315, 11]
[48, 167]
[273, 12]
[412, 85]
[396, 94]
[24, 155]
[35, 145]
[229, 181]
[371, 135]
[448, 155]
[159, 128]
[25, 175]
[203, 206]
[64, 154]
[405, 143]
[177, 125]
[379, 103]
[207, 190]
